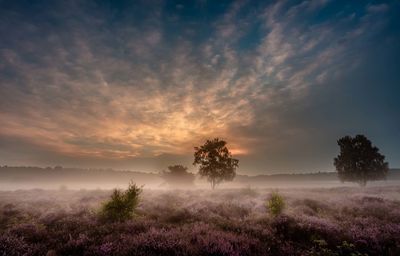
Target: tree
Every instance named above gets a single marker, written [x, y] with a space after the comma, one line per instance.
[178, 175]
[216, 162]
[359, 161]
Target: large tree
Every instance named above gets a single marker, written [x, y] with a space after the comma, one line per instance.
[215, 162]
[359, 161]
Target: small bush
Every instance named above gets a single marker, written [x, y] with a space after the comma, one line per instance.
[275, 204]
[122, 205]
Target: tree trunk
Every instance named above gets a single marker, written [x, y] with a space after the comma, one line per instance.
[213, 184]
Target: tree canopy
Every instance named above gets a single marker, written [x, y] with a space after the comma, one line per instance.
[215, 162]
[359, 161]
[178, 175]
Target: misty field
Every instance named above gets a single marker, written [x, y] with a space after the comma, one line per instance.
[317, 221]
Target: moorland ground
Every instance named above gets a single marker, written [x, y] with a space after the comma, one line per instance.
[315, 221]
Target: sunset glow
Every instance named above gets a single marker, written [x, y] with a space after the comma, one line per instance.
[124, 82]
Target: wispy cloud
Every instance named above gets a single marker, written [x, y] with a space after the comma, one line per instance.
[87, 80]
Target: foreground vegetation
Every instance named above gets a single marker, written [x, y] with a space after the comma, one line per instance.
[336, 221]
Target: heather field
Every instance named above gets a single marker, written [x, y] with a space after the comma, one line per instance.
[315, 221]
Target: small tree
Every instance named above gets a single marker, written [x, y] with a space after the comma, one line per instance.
[122, 204]
[178, 175]
[216, 162]
[359, 161]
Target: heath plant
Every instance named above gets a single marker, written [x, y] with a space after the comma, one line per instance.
[275, 204]
[122, 204]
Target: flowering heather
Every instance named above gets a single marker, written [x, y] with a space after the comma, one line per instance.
[335, 221]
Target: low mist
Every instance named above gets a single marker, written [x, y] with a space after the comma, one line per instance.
[14, 178]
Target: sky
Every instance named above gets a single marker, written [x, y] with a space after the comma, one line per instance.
[138, 84]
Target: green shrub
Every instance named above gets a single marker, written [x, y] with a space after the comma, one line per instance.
[275, 204]
[122, 204]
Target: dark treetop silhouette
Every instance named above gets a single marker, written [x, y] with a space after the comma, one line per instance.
[178, 175]
[216, 162]
[359, 161]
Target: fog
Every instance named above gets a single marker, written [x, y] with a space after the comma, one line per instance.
[15, 178]
[198, 184]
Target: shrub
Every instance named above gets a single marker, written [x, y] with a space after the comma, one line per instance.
[122, 205]
[275, 204]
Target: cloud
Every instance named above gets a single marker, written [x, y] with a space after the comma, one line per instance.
[377, 8]
[88, 81]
